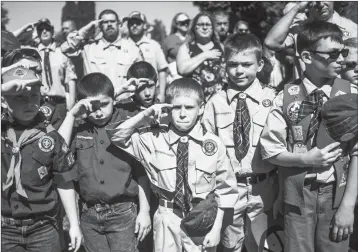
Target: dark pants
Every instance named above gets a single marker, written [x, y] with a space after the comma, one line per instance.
[109, 228]
[354, 237]
[310, 231]
[38, 237]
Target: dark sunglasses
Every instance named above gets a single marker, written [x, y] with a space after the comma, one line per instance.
[335, 54]
[184, 22]
[135, 21]
[350, 64]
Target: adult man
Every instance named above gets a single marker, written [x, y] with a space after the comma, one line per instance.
[59, 77]
[222, 24]
[68, 26]
[110, 55]
[150, 49]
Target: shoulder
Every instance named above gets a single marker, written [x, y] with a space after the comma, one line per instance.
[124, 111]
[212, 142]
[218, 98]
[269, 91]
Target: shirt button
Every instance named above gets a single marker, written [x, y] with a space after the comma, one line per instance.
[101, 161]
[102, 142]
[102, 182]
[16, 206]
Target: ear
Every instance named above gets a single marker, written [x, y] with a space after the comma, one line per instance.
[306, 57]
[261, 65]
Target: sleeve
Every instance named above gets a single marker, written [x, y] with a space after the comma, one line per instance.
[274, 135]
[208, 120]
[165, 48]
[226, 185]
[161, 61]
[70, 73]
[58, 115]
[64, 169]
[290, 40]
[72, 47]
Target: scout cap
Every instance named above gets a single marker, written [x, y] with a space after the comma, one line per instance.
[21, 74]
[8, 42]
[137, 15]
[201, 218]
[339, 120]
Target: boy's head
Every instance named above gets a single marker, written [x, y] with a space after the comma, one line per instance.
[99, 88]
[187, 96]
[243, 54]
[349, 66]
[145, 93]
[320, 46]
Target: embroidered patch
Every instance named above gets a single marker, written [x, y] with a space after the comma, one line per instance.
[70, 159]
[292, 110]
[294, 90]
[46, 143]
[46, 110]
[64, 148]
[84, 137]
[297, 133]
[346, 34]
[20, 72]
[210, 147]
[42, 171]
[266, 103]
[340, 93]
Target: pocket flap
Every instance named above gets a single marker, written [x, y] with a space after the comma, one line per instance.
[84, 143]
[223, 121]
[42, 158]
[163, 163]
[260, 117]
[98, 60]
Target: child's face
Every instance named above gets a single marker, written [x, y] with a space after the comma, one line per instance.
[24, 107]
[102, 111]
[185, 111]
[349, 71]
[320, 62]
[242, 68]
[145, 94]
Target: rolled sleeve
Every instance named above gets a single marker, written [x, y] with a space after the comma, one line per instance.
[273, 138]
[208, 119]
[162, 63]
[226, 187]
[70, 73]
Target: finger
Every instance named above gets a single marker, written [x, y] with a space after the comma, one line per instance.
[340, 234]
[166, 105]
[331, 146]
[78, 244]
[31, 82]
[334, 232]
[351, 229]
[136, 227]
[345, 233]
[73, 241]
[140, 233]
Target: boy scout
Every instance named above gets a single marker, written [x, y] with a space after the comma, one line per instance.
[183, 162]
[105, 181]
[313, 178]
[237, 116]
[35, 161]
[350, 66]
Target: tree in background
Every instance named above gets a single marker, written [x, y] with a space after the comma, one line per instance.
[4, 17]
[158, 32]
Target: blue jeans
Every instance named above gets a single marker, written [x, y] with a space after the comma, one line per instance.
[110, 228]
[38, 237]
[310, 231]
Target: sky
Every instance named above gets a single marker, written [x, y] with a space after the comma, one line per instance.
[21, 13]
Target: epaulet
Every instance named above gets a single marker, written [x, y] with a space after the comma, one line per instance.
[152, 127]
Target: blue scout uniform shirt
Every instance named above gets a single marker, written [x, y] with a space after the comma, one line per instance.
[43, 168]
[105, 173]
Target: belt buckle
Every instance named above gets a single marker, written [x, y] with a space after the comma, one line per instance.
[27, 222]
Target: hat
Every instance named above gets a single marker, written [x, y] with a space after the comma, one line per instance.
[339, 120]
[136, 15]
[201, 218]
[9, 41]
[44, 21]
[19, 73]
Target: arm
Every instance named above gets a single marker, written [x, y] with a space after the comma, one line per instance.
[143, 222]
[70, 81]
[162, 85]
[212, 238]
[162, 66]
[23, 29]
[71, 96]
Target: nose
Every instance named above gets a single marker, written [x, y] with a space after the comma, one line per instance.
[182, 112]
[340, 58]
[99, 113]
[146, 93]
[239, 70]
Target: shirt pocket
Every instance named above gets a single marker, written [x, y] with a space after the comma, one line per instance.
[124, 62]
[225, 126]
[84, 153]
[98, 61]
[164, 175]
[205, 176]
[41, 173]
[258, 123]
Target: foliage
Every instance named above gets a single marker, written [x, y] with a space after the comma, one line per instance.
[81, 13]
[347, 9]
[4, 17]
[158, 32]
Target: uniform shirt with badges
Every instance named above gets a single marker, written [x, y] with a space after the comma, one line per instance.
[209, 168]
[55, 113]
[62, 70]
[274, 137]
[46, 164]
[104, 172]
[219, 116]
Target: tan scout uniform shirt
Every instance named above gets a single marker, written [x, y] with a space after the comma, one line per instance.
[219, 118]
[274, 136]
[209, 168]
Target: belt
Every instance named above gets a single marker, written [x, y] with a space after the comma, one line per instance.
[167, 204]
[54, 99]
[119, 200]
[254, 179]
[316, 184]
[18, 222]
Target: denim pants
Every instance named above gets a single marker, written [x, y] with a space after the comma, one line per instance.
[309, 231]
[110, 228]
[38, 237]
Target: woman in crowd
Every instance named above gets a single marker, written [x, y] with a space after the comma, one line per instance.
[178, 35]
[201, 58]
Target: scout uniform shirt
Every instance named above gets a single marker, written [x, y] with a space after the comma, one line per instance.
[208, 167]
[105, 173]
[219, 118]
[45, 162]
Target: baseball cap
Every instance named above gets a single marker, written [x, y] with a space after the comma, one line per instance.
[8, 42]
[20, 73]
[136, 15]
[339, 120]
[44, 21]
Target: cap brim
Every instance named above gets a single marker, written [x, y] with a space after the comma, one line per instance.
[323, 138]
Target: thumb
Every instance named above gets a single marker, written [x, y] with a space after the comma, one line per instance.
[73, 241]
[136, 226]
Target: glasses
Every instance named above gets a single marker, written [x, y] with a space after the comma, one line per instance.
[335, 54]
[222, 23]
[135, 21]
[184, 22]
[202, 25]
[350, 64]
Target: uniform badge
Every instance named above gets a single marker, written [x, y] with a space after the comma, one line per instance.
[64, 148]
[346, 34]
[46, 143]
[70, 159]
[266, 103]
[42, 171]
[294, 90]
[242, 95]
[340, 93]
[299, 148]
[297, 133]
[20, 72]
[46, 110]
[184, 139]
[292, 110]
[210, 147]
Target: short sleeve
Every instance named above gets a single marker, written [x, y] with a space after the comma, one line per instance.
[70, 73]
[160, 57]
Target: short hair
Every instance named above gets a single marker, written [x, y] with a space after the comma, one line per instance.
[221, 13]
[351, 42]
[94, 84]
[71, 21]
[239, 43]
[236, 27]
[184, 87]
[108, 11]
[142, 69]
[312, 32]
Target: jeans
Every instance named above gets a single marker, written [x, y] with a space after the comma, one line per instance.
[38, 237]
[110, 228]
[310, 231]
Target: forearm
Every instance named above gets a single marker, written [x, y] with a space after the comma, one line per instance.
[71, 94]
[218, 220]
[66, 127]
[144, 193]
[162, 82]
[288, 159]
[350, 194]
[187, 66]
[68, 198]
[20, 31]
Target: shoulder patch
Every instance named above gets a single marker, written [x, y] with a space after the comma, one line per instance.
[46, 143]
[209, 147]
[70, 159]
[20, 72]
[294, 90]
[267, 103]
[46, 110]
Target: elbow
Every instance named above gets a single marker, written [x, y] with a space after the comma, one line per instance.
[271, 44]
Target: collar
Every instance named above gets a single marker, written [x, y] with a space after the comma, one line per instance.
[310, 87]
[51, 47]
[143, 40]
[39, 122]
[196, 133]
[105, 44]
[252, 91]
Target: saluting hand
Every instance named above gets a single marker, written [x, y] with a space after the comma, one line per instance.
[157, 111]
[84, 107]
[17, 86]
[212, 54]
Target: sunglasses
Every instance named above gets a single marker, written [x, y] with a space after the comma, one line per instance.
[335, 54]
[134, 21]
[350, 64]
[184, 22]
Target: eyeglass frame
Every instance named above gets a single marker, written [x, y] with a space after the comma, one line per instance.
[201, 25]
[344, 53]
